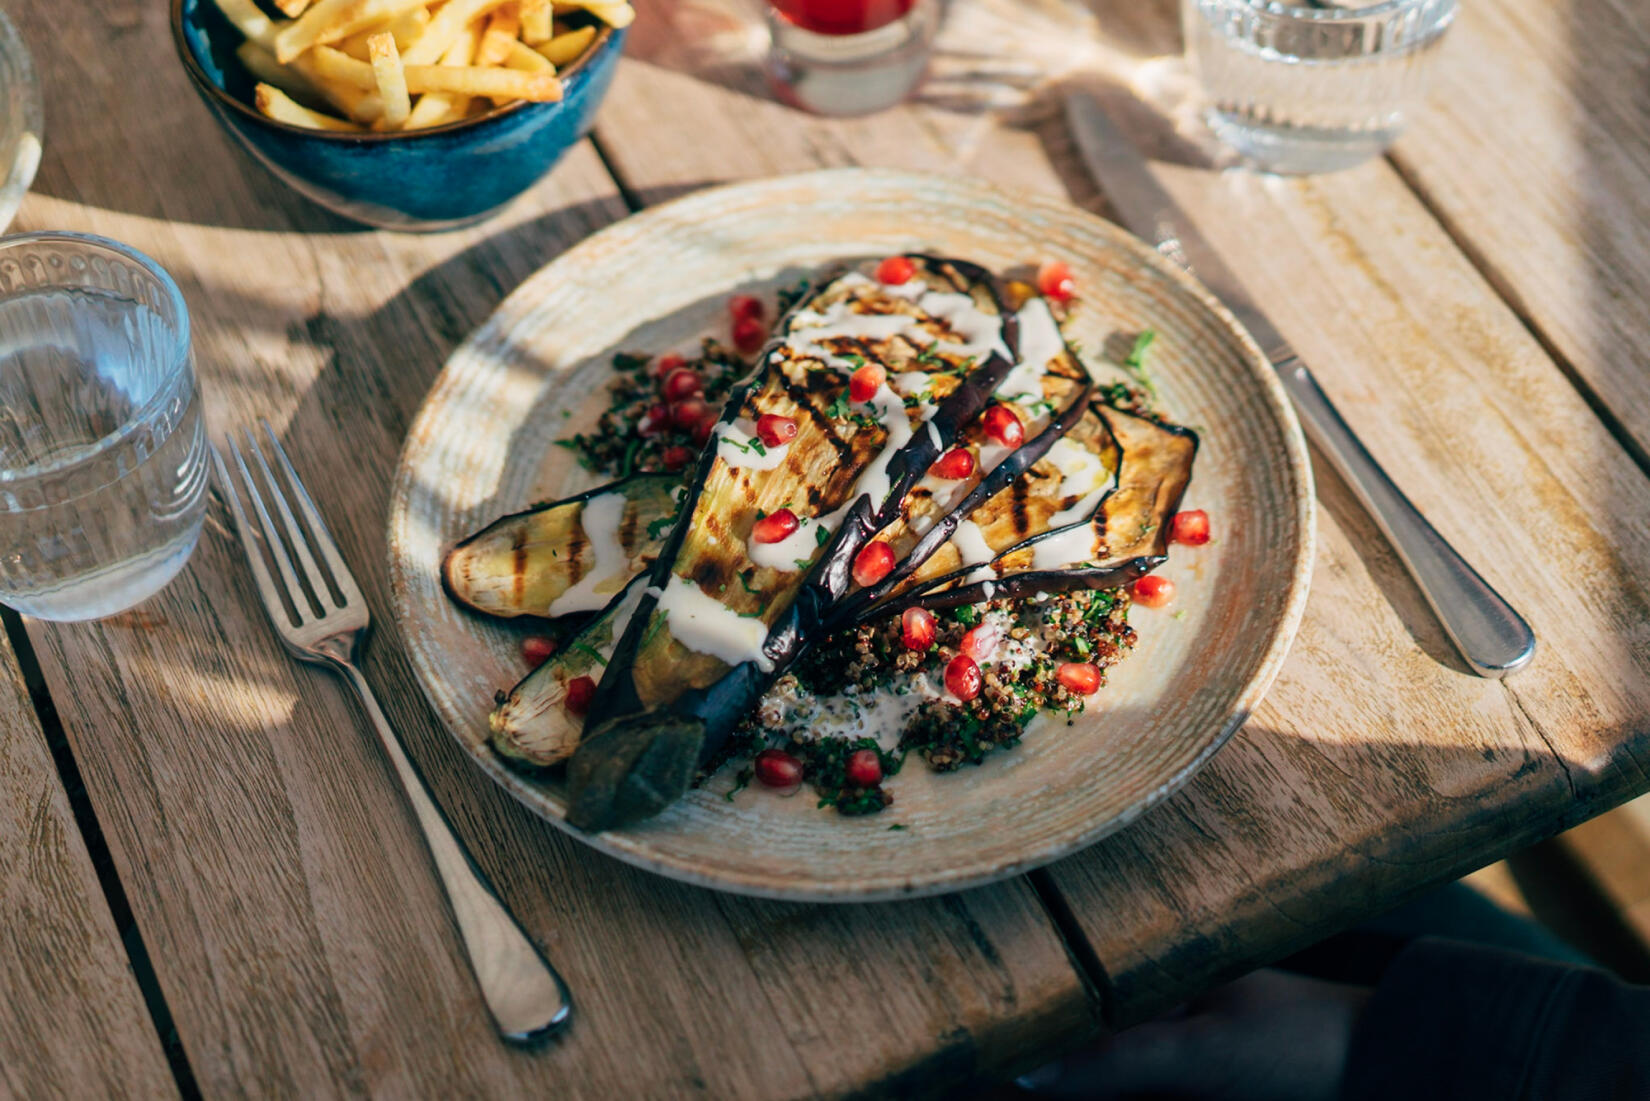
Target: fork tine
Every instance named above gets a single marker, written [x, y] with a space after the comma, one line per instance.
[289, 523]
[324, 542]
[260, 572]
[272, 539]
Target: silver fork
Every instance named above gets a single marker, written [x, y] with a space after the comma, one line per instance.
[325, 626]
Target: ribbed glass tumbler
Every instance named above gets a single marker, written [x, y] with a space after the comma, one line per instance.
[103, 467]
[1312, 87]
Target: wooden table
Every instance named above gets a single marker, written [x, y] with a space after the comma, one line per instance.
[207, 878]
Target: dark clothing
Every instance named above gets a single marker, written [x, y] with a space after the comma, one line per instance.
[1463, 1022]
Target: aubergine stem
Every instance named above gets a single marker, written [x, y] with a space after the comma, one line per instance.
[633, 761]
[998, 479]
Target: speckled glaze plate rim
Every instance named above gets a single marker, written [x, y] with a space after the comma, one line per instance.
[635, 848]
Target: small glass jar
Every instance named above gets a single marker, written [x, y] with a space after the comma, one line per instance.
[1299, 87]
[849, 57]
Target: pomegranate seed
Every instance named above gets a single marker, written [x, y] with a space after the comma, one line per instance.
[580, 691]
[1002, 424]
[864, 383]
[687, 413]
[917, 628]
[775, 526]
[774, 430]
[1190, 528]
[1081, 677]
[1054, 281]
[749, 334]
[654, 421]
[1152, 591]
[981, 642]
[665, 364]
[874, 562]
[676, 457]
[864, 768]
[536, 650]
[896, 270]
[707, 425]
[962, 677]
[681, 383]
[956, 464]
[743, 306]
[777, 769]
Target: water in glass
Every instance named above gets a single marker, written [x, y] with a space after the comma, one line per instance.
[103, 467]
[1312, 87]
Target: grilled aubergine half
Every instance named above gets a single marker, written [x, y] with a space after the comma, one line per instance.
[723, 614]
[568, 557]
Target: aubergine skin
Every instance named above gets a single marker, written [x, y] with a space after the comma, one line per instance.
[530, 727]
[1131, 527]
[658, 697]
[521, 564]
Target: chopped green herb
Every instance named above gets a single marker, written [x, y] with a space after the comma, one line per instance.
[854, 360]
[657, 528]
[629, 461]
[803, 563]
[838, 408]
[967, 615]
[747, 585]
[821, 535]
[586, 648]
[1137, 354]
[896, 826]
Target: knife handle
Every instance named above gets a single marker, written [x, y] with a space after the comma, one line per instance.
[1491, 636]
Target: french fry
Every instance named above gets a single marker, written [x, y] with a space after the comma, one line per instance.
[276, 104]
[535, 22]
[406, 28]
[502, 28]
[468, 80]
[362, 104]
[525, 58]
[446, 28]
[437, 108]
[292, 9]
[300, 35]
[391, 78]
[263, 67]
[564, 49]
[329, 21]
[253, 24]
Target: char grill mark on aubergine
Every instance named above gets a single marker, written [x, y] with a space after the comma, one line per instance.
[641, 753]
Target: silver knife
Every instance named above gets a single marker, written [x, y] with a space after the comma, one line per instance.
[1491, 636]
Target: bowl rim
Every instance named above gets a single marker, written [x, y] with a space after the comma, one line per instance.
[605, 37]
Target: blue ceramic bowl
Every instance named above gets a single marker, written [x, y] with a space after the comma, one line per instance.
[433, 179]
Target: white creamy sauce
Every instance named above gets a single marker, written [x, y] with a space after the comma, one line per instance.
[1081, 470]
[890, 411]
[975, 332]
[737, 445]
[1075, 544]
[971, 545]
[707, 626]
[1040, 344]
[796, 551]
[600, 519]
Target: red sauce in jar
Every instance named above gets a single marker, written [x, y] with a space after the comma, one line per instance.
[843, 16]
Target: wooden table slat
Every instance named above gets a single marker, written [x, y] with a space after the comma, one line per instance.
[298, 934]
[65, 982]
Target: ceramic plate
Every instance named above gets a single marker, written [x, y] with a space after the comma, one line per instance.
[483, 446]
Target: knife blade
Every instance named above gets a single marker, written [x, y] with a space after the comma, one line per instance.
[1490, 635]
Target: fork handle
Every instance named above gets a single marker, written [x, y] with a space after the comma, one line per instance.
[523, 992]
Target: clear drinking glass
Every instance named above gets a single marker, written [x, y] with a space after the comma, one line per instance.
[1312, 86]
[20, 121]
[103, 468]
[849, 57]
